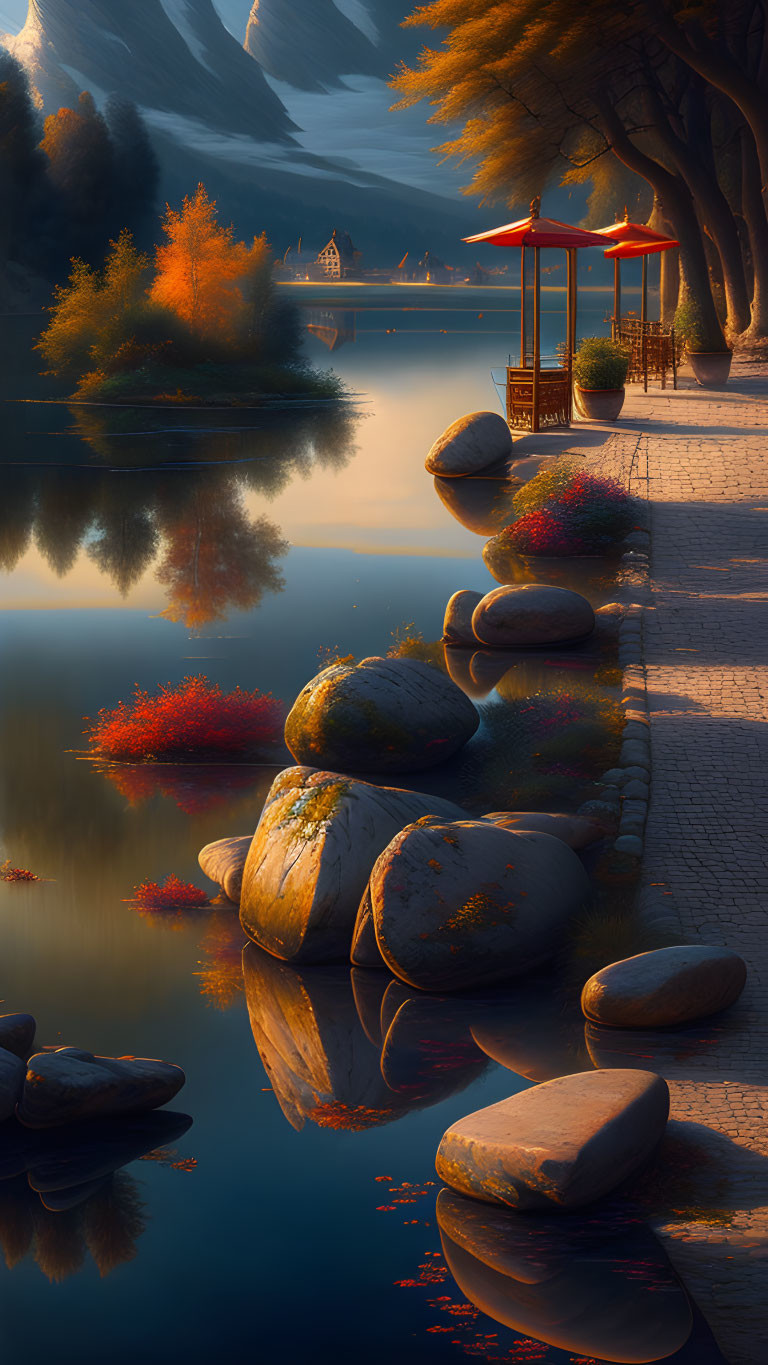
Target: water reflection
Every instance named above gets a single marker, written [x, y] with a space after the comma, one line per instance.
[333, 326]
[357, 1049]
[599, 1286]
[64, 1193]
[172, 498]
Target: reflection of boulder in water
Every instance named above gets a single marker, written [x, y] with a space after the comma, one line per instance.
[532, 1031]
[665, 1051]
[482, 505]
[321, 1063]
[369, 988]
[590, 576]
[596, 1286]
[63, 1193]
[429, 1052]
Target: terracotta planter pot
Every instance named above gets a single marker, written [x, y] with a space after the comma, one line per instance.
[711, 368]
[598, 405]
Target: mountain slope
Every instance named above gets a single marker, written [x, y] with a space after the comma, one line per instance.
[338, 38]
[215, 117]
[174, 56]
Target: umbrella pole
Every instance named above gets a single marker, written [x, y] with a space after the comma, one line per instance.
[536, 339]
[522, 307]
[571, 324]
[616, 299]
[643, 320]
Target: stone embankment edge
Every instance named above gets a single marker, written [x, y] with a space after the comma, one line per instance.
[626, 788]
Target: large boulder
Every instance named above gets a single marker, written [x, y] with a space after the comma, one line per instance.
[310, 858]
[68, 1085]
[224, 861]
[365, 949]
[457, 623]
[17, 1033]
[559, 1145]
[594, 1287]
[470, 444]
[379, 716]
[531, 614]
[465, 903]
[577, 831]
[664, 987]
[12, 1071]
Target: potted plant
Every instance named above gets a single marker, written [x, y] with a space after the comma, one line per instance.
[709, 356]
[599, 372]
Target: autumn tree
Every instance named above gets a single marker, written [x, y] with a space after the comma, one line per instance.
[91, 314]
[199, 268]
[543, 87]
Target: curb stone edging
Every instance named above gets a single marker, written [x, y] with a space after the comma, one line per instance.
[627, 786]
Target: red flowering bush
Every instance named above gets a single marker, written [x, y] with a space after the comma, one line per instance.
[568, 511]
[16, 874]
[174, 894]
[545, 533]
[192, 721]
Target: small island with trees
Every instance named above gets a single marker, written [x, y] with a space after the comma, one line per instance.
[200, 322]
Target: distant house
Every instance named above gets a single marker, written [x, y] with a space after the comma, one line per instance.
[338, 258]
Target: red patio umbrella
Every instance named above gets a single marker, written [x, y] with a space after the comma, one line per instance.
[632, 239]
[538, 232]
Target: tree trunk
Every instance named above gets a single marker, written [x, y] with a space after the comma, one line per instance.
[754, 216]
[711, 201]
[669, 285]
[714, 62]
[676, 196]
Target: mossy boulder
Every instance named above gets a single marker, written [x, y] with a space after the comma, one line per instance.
[311, 856]
[379, 716]
[460, 904]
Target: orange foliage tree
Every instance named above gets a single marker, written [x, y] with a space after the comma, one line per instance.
[201, 269]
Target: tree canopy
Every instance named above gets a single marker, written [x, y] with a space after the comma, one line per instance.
[671, 92]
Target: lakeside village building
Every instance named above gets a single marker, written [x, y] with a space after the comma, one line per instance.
[339, 259]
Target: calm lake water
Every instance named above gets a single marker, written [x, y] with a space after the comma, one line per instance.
[138, 547]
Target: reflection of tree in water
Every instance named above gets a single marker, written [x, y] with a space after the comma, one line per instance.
[187, 507]
[217, 559]
[107, 1226]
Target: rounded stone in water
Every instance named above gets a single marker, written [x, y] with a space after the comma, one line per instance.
[469, 445]
[664, 987]
[532, 614]
[379, 716]
[465, 903]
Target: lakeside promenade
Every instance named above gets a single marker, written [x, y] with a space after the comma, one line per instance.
[704, 456]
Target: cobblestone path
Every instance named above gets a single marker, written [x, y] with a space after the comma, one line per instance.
[705, 458]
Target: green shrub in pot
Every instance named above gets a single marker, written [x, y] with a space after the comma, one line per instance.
[600, 363]
[708, 354]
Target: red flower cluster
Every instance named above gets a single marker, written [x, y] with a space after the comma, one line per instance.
[16, 874]
[174, 894]
[585, 514]
[546, 533]
[191, 721]
[585, 490]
